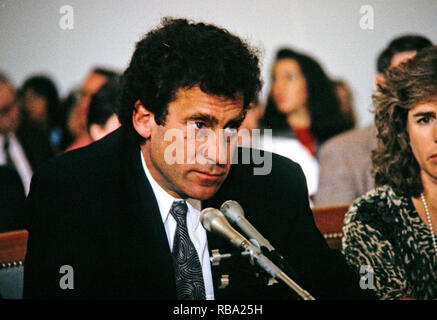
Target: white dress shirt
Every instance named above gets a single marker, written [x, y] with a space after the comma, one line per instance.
[19, 158]
[195, 229]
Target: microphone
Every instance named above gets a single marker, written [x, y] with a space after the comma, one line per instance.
[235, 214]
[213, 220]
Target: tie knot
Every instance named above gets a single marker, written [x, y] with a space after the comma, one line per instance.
[179, 211]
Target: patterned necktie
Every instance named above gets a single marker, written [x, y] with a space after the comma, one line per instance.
[188, 271]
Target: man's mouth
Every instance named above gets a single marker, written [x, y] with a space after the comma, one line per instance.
[210, 173]
[210, 176]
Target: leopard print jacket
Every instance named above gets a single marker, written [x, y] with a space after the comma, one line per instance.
[383, 231]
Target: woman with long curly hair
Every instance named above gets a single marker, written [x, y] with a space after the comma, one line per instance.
[392, 229]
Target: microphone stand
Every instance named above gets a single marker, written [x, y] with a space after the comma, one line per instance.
[279, 260]
[274, 271]
[213, 219]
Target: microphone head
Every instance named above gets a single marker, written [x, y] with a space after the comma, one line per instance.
[232, 210]
[207, 216]
[213, 220]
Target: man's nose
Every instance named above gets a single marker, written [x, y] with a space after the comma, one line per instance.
[217, 148]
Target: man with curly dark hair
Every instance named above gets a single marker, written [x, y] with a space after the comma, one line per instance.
[122, 215]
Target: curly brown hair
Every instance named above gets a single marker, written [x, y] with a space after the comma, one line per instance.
[182, 53]
[408, 84]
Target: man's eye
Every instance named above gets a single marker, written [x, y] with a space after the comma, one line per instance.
[198, 124]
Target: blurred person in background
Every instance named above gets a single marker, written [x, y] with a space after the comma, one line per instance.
[41, 114]
[302, 110]
[12, 197]
[393, 228]
[102, 118]
[67, 103]
[303, 104]
[12, 151]
[77, 119]
[289, 148]
[345, 97]
[345, 160]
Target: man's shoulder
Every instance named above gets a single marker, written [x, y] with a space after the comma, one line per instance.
[256, 162]
[90, 161]
[277, 190]
[265, 171]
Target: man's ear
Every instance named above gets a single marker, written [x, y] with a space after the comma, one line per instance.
[143, 120]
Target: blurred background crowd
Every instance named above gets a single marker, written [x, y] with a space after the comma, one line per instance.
[312, 116]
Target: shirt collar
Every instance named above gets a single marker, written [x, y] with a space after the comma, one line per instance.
[8, 136]
[165, 200]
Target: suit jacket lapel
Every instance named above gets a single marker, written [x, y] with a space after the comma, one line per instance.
[146, 210]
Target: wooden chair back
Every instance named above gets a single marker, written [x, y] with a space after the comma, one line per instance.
[329, 220]
[13, 245]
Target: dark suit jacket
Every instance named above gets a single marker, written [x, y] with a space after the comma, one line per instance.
[94, 209]
[12, 197]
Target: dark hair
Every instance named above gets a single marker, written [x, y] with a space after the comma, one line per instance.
[5, 79]
[44, 87]
[323, 104]
[349, 116]
[181, 54]
[108, 73]
[410, 83]
[67, 104]
[104, 103]
[383, 61]
[400, 44]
